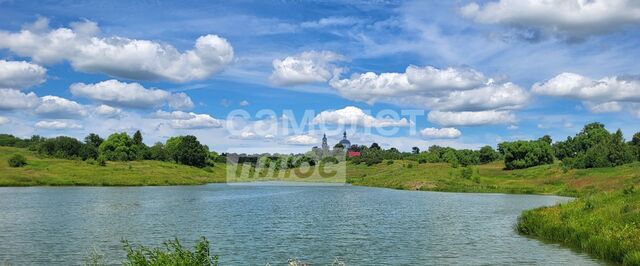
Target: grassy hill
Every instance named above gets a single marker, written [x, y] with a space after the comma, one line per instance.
[546, 179]
[41, 171]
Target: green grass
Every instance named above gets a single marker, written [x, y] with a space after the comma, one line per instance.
[42, 171]
[547, 179]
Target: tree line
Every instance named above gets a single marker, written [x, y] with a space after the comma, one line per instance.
[185, 150]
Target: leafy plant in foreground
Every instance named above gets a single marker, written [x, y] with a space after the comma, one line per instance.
[173, 253]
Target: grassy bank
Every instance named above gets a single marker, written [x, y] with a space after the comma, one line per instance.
[605, 225]
[546, 179]
[42, 171]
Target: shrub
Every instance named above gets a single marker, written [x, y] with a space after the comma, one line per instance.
[389, 162]
[17, 160]
[102, 161]
[525, 154]
[173, 253]
[466, 172]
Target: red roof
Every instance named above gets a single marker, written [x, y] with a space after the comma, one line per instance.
[353, 154]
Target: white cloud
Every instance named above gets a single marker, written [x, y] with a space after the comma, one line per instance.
[108, 111]
[606, 107]
[116, 93]
[352, 115]
[471, 118]
[428, 87]
[57, 107]
[20, 74]
[609, 94]
[330, 22]
[184, 120]
[307, 67]
[4, 120]
[574, 18]
[301, 140]
[57, 125]
[14, 99]
[244, 103]
[87, 51]
[441, 133]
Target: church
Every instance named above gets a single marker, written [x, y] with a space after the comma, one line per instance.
[346, 144]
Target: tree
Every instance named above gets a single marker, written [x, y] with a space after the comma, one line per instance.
[93, 139]
[118, 147]
[137, 138]
[61, 147]
[415, 150]
[187, 150]
[374, 146]
[488, 154]
[594, 147]
[158, 152]
[524, 154]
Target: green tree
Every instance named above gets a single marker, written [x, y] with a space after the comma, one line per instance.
[375, 146]
[137, 138]
[524, 154]
[488, 154]
[61, 147]
[158, 152]
[187, 150]
[118, 147]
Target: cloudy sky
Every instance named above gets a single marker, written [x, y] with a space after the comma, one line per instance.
[400, 73]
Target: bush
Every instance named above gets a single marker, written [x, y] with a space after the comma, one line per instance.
[17, 160]
[173, 253]
[524, 154]
[466, 172]
[102, 161]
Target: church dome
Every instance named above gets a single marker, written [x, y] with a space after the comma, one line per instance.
[345, 143]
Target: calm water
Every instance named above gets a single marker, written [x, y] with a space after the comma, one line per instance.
[255, 225]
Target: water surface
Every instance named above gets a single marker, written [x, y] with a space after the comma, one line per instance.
[255, 225]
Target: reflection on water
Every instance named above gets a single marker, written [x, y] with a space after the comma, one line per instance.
[253, 225]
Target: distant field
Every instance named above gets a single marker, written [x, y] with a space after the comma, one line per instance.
[547, 179]
[41, 171]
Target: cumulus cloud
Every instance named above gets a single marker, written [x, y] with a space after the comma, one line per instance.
[244, 103]
[184, 120]
[471, 118]
[305, 68]
[608, 94]
[11, 99]
[4, 120]
[86, 50]
[116, 93]
[573, 18]
[108, 111]
[450, 89]
[57, 107]
[57, 125]
[355, 116]
[440, 133]
[301, 140]
[20, 74]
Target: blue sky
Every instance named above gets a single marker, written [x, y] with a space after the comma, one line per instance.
[481, 72]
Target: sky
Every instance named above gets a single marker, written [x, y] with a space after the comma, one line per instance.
[274, 76]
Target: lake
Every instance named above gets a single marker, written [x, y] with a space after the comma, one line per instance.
[260, 224]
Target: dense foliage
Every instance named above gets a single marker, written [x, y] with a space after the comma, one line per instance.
[173, 253]
[523, 154]
[594, 147]
[17, 160]
[117, 147]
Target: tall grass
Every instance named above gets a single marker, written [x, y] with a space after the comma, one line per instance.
[606, 225]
